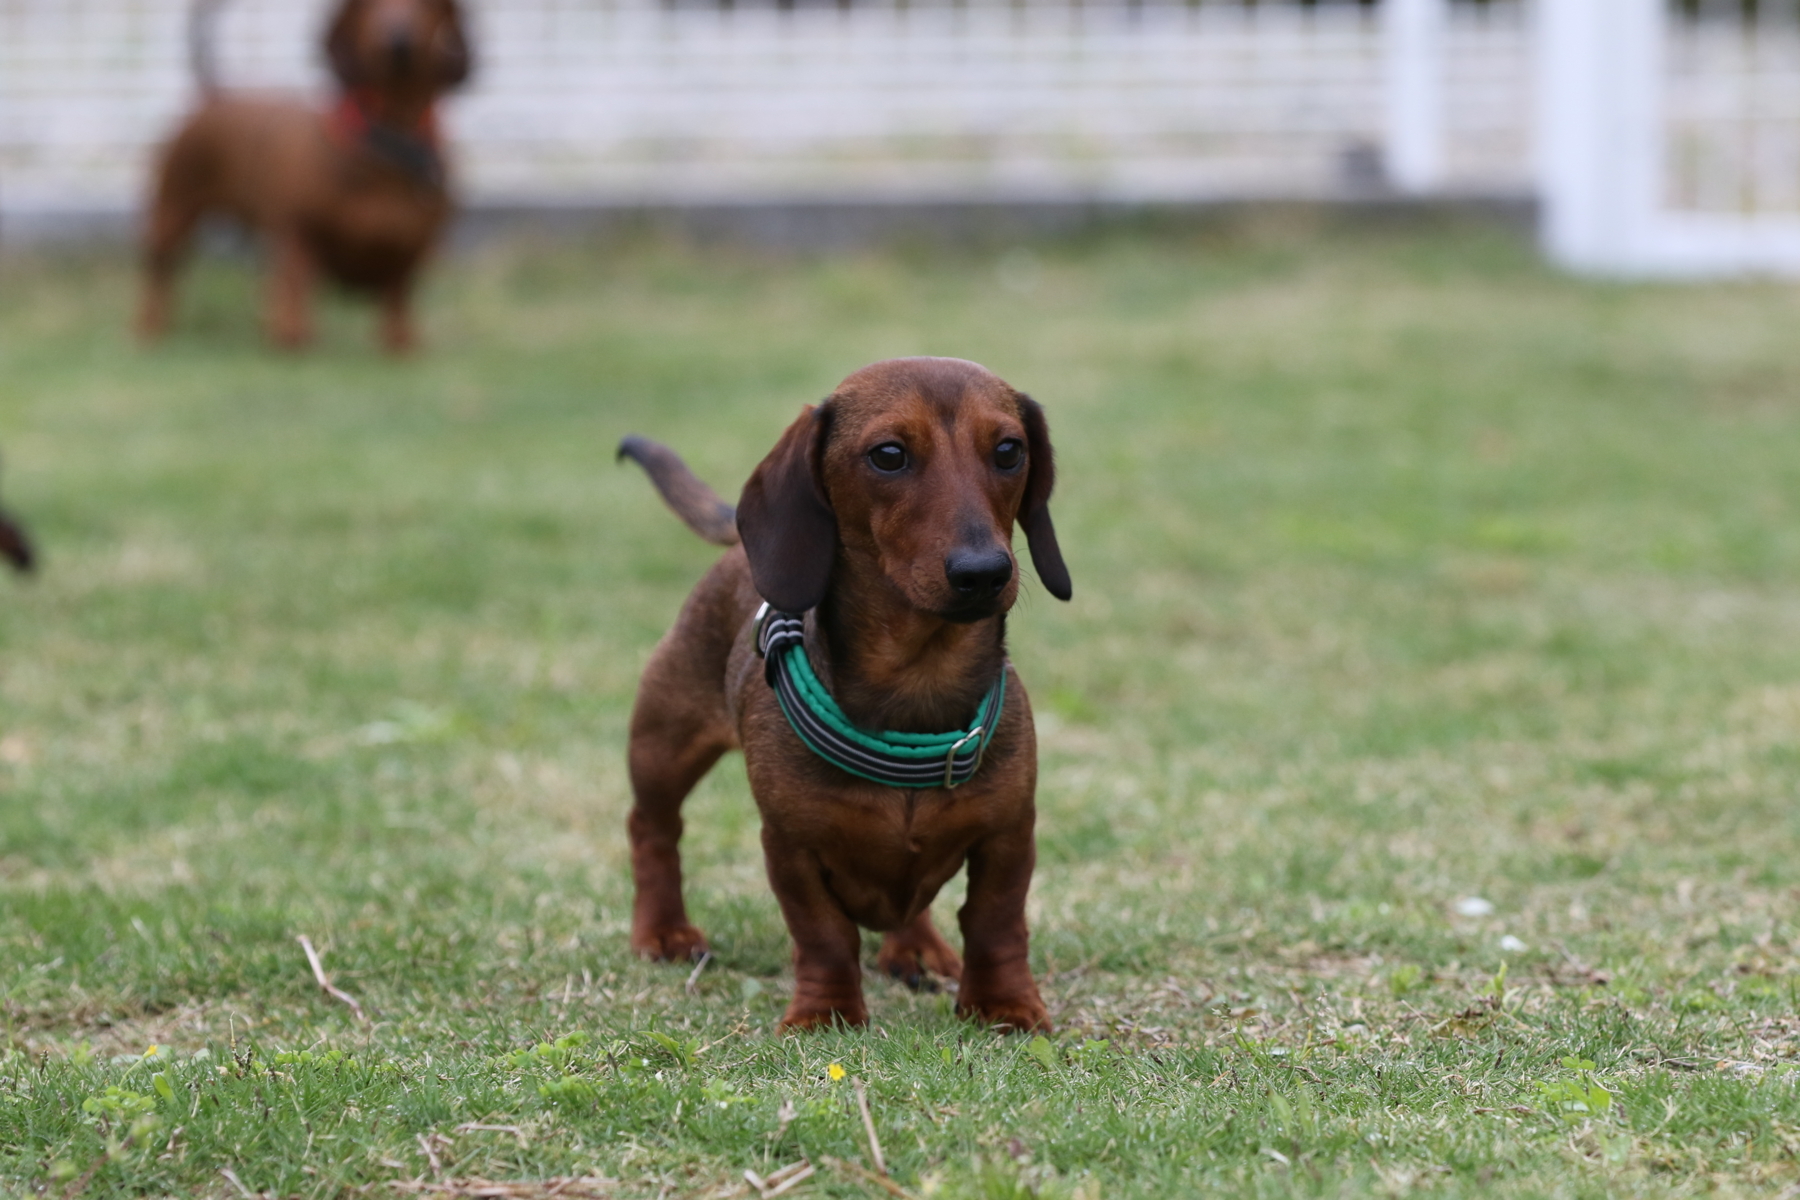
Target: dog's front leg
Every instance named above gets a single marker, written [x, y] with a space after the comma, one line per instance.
[827, 943]
[997, 987]
[290, 290]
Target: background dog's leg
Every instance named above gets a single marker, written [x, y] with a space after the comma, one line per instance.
[290, 290]
[997, 987]
[166, 240]
[397, 333]
[916, 951]
[827, 943]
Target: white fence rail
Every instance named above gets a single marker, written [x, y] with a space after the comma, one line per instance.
[1661, 139]
[581, 102]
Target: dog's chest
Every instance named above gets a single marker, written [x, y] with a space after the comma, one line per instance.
[886, 852]
[375, 233]
[884, 886]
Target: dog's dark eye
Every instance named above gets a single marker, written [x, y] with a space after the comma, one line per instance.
[1009, 454]
[888, 457]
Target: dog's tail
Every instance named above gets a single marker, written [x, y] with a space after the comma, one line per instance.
[682, 490]
[202, 18]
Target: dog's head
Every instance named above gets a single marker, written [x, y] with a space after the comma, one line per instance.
[413, 46]
[915, 468]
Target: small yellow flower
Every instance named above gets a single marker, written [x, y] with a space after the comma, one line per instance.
[151, 1052]
[836, 1071]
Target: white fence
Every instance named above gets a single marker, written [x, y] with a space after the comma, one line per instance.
[1660, 141]
[601, 102]
[1671, 139]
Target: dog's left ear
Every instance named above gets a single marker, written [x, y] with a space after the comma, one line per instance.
[451, 47]
[784, 517]
[1034, 510]
[341, 50]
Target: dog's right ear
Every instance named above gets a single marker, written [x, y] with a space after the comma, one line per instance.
[341, 50]
[785, 519]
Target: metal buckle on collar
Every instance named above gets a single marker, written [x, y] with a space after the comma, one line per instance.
[950, 783]
[756, 627]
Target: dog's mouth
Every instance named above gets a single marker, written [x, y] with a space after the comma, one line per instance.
[971, 611]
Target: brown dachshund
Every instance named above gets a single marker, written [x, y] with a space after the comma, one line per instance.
[885, 515]
[357, 194]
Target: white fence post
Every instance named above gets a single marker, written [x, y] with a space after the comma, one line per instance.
[1413, 31]
[1599, 131]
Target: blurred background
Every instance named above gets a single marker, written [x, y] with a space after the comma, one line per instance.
[585, 103]
[1437, 584]
[1657, 136]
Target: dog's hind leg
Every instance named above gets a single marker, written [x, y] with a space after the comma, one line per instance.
[291, 273]
[669, 753]
[680, 726]
[170, 229]
[916, 952]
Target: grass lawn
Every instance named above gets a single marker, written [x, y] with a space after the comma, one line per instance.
[1421, 750]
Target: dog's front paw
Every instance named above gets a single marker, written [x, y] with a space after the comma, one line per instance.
[1016, 1014]
[676, 943]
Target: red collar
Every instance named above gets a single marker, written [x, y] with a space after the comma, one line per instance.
[352, 117]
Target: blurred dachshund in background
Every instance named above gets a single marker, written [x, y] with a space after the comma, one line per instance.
[15, 546]
[357, 194]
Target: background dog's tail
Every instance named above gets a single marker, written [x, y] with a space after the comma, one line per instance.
[682, 490]
[202, 18]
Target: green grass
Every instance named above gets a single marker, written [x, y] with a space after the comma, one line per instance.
[1406, 573]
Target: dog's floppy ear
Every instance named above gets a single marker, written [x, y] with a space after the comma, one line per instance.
[341, 49]
[785, 520]
[451, 47]
[1034, 510]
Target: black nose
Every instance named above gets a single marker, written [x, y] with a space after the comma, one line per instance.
[400, 50]
[978, 574]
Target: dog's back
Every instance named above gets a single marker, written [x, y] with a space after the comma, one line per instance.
[248, 155]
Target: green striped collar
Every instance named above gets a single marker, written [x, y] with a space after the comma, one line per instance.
[902, 760]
